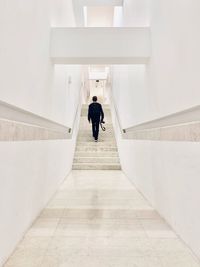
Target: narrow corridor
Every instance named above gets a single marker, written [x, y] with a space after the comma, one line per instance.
[98, 218]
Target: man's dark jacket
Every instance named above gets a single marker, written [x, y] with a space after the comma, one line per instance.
[95, 112]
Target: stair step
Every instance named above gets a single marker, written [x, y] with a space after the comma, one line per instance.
[109, 213]
[102, 138]
[96, 160]
[96, 149]
[85, 125]
[88, 128]
[91, 140]
[97, 144]
[102, 135]
[96, 154]
[95, 166]
[107, 133]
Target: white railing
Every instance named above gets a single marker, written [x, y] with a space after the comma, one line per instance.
[71, 130]
[122, 130]
[12, 113]
[186, 116]
[180, 126]
[18, 124]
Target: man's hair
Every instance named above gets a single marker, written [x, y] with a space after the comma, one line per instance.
[94, 98]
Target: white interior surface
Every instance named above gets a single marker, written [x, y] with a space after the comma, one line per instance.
[66, 91]
[31, 171]
[167, 173]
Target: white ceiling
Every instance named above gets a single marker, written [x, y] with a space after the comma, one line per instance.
[80, 4]
[100, 16]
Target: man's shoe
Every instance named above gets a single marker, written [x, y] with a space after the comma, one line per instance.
[96, 140]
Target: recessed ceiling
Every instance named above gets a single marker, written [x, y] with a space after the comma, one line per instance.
[100, 16]
[80, 4]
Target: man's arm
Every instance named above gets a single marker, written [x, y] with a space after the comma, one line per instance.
[102, 113]
[89, 117]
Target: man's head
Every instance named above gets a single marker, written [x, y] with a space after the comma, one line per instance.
[94, 99]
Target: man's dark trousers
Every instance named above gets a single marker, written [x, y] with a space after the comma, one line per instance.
[95, 129]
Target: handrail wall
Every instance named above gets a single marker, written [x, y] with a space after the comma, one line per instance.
[17, 124]
[12, 113]
[186, 116]
[180, 126]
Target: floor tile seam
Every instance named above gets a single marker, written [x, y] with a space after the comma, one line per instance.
[51, 239]
[97, 224]
[131, 190]
[91, 252]
[100, 198]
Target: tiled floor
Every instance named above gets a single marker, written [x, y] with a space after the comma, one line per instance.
[98, 219]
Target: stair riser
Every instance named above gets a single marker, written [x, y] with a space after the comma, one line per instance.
[95, 167]
[104, 134]
[101, 134]
[87, 128]
[96, 149]
[108, 133]
[96, 160]
[96, 154]
[92, 143]
[91, 139]
[84, 120]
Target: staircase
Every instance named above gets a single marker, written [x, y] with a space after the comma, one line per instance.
[101, 155]
[97, 218]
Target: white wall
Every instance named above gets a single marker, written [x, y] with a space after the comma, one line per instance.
[31, 171]
[118, 16]
[25, 66]
[65, 93]
[30, 174]
[136, 13]
[173, 70]
[166, 172]
[62, 14]
[131, 94]
[172, 74]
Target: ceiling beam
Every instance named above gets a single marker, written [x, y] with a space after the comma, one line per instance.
[100, 45]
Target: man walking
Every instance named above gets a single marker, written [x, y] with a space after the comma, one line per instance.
[96, 115]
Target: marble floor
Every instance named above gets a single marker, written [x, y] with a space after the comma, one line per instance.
[99, 219]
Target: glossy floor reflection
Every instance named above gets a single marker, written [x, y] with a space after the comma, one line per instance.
[99, 219]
